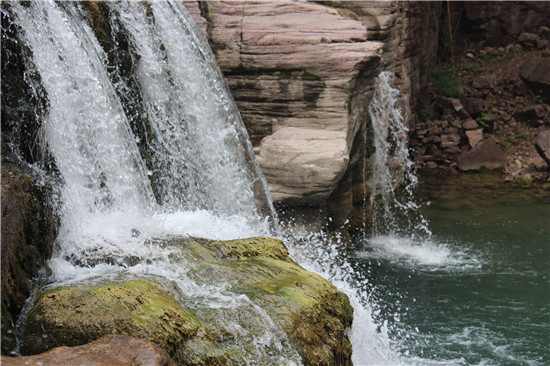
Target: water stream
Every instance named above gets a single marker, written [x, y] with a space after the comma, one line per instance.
[456, 268]
[113, 197]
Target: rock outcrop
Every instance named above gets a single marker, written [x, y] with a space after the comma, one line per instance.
[303, 164]
[312, 313]
[543, 145]
[477, 24]
[536, 73]
[28, 233]
[312, 66]
[111, 350]
[296, 64]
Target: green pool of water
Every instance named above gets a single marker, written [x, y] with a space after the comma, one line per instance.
[478, 290]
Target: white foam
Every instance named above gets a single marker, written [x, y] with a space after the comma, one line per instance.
[426, 253]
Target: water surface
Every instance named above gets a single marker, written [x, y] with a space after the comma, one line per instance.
[478, 290]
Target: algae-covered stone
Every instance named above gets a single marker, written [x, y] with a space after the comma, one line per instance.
[254, 294]
[75, 315]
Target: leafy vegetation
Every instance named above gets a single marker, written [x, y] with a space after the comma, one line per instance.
[483, 120]
[445, 81]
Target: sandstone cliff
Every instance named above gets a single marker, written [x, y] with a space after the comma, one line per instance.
[302, 70]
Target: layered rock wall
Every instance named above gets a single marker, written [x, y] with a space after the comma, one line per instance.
[312, 66]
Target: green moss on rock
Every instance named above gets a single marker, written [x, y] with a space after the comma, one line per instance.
[77, 315]
[314, 315]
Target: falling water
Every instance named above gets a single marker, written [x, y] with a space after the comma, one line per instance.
[206, 181]
[392, 169]
[197, 178]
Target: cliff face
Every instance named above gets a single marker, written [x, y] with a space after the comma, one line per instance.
[303, 75]
[477, 24]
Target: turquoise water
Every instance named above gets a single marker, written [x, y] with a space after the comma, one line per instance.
[478, 290]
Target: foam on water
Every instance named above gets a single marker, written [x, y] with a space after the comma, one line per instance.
[425, 253]
[210, 185]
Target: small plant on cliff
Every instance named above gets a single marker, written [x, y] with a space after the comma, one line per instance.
[540, 98]
[445, 81]
[424, 115]
[308, 76]
[483, 120]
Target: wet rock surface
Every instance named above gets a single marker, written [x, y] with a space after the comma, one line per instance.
[28, 232]
[312, 313]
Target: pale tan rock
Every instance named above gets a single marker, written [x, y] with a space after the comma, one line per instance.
[474, 137]
[303, 164]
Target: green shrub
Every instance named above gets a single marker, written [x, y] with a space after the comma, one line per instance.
[445, 81]
[483, 120]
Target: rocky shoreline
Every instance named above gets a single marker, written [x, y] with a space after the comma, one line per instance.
[489, 109]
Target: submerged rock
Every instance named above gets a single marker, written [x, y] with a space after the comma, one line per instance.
[311, 313]
[111, 350]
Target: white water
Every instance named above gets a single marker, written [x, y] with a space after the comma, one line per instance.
[108, 208]
[391, 166]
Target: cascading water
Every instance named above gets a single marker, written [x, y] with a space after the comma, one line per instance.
[208, 183]
[198, 177]
[391, 166]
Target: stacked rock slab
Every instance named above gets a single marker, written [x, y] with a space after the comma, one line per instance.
[299, 65]
[112, 350]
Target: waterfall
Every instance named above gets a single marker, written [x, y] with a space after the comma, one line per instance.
[392, 169]
[158, 153]
[198, 176]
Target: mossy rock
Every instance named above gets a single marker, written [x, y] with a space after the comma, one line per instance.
[76, 315]
[311, 314]
[29, 227]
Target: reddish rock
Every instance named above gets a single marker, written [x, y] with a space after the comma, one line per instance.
[473, 106]
[485, 81]
[111, 350]
[470, 124]
[531, 113]
[450, 140]
[474, 137]
[431, 165]
[485, 154]
[543, 146]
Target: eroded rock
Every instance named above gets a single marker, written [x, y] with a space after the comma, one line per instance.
[303, 164]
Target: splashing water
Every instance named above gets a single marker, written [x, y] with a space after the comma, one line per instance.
[206, 182]
[392, 167]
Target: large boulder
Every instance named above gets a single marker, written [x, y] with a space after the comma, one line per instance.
[543, 145]
[536, 74]
[485, 154]
[28, 232]
[303, 164]
[268, 290]
[111, 350]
